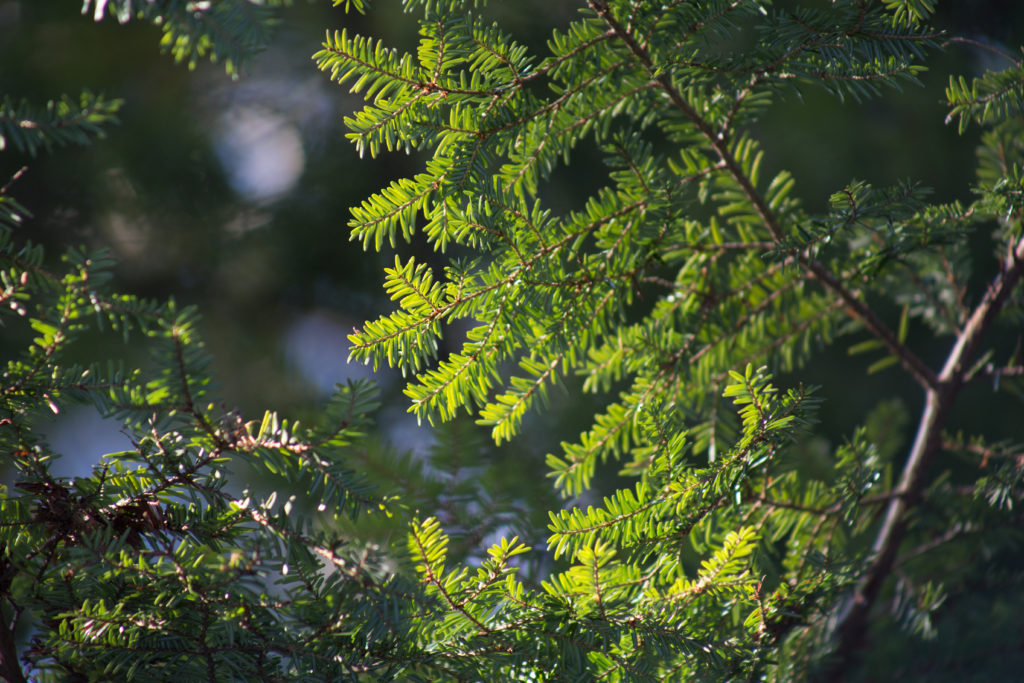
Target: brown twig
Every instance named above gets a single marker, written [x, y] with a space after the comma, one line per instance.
[851, 620]
[9, 667]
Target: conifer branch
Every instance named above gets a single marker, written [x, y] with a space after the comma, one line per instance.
[157, 562]
[924, 375]
[851, 620]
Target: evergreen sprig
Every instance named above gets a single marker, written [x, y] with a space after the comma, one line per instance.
[743, 547]
[683, 266]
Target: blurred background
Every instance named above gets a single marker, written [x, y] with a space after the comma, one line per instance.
[233, 195]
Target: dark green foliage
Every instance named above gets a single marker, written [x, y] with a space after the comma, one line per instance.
[228, 31]
[742, 547]
[210, 577]
[27, 129]
[60, 122]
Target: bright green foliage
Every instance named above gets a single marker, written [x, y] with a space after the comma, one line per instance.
[554, 294]
[910, 12]
[685, 265]
[992, 98]
[627, 607]
[742, 547]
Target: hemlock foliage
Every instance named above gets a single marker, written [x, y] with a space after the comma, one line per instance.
[677, 290]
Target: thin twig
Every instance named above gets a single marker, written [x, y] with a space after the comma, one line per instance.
[14, 178]
[984, 46]
[955, 532]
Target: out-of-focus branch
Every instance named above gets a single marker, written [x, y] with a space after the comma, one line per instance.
[851, 620]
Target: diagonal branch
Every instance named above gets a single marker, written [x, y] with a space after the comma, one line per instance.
[941, 389]
[857, 309]
[851, 620]
[10, 670]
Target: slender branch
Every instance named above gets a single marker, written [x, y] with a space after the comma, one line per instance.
[851, 620]
[833, 509]
[991, 371]
[969, 341]
[924, 375]
[981, 45]
[987, 454]
[955, 532]
[14, 178]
